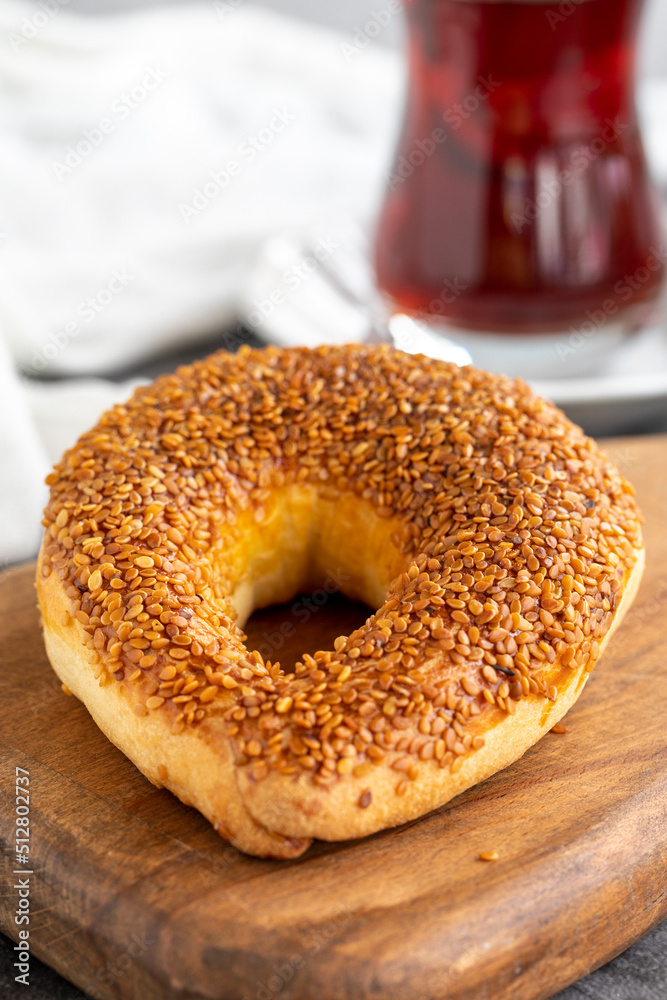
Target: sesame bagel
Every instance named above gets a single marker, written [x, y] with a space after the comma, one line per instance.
[498, 544]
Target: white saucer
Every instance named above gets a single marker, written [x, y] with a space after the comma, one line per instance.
[628, 392]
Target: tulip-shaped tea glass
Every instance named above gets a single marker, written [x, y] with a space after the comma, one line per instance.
[519, 202]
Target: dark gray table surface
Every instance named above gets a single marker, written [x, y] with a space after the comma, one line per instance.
[640, 973]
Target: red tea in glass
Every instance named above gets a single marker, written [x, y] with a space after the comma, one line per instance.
[519, 199]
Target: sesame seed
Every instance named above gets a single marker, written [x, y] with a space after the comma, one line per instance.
[470, 686]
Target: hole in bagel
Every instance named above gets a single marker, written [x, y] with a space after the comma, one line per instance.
[284, 632]
[307, 566]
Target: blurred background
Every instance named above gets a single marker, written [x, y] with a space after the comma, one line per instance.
[177, 177]
[348, 14]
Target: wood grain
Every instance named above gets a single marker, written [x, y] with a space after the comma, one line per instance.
[135, 897]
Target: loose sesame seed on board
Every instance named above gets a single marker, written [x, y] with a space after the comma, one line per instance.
[519, 536]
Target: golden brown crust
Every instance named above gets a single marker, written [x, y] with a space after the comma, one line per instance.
[498, 543]
[335, 814]
[198, 770]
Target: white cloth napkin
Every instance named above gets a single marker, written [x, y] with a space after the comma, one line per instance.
[147, 155]
[145, 159]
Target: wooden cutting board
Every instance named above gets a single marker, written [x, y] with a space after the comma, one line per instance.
[134, 896]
